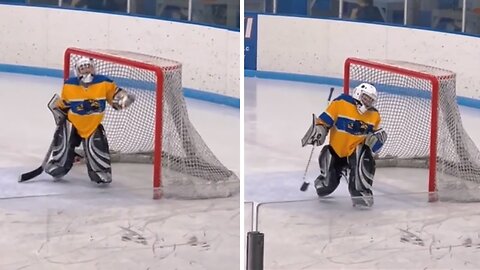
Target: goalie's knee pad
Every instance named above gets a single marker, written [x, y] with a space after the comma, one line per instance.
[329, 178]
[362, 166]
[97, 156]
[63, 152]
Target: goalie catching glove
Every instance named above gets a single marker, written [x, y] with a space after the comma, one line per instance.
[315, 135]
[376, 140]
[122, 99]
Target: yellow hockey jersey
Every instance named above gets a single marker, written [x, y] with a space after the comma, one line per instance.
[348, 127]
[87, 105]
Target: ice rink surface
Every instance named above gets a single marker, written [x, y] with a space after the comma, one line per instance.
[75, 224]
[401, 231]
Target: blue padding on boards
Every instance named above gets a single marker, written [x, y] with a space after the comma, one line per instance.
[212, 97]
[250, 40]
[463, 101]
[190, 93]
[38, 71]
[293, 77]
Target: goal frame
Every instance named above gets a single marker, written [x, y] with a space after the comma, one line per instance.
[435, 88]
[158, 126]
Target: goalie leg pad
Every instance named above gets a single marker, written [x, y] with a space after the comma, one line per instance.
[97, 156]
[330, 171]
[362, 172]
[63, 152]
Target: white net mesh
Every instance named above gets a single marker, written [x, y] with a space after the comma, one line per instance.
[189, 168]
[406, 92]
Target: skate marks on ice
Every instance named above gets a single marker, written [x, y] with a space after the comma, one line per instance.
[333, 235]
[51, 233]
[134, 236]
[127, 177]
[409, 237]
[137, 237]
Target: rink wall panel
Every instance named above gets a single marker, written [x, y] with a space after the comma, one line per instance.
[38, 37]
[319, 47]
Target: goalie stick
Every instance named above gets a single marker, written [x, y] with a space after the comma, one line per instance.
[306, 183]
[58, 119]
[32, 174]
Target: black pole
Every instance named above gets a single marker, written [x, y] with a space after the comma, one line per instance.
[255, 242]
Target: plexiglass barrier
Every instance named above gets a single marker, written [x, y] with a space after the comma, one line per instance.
[443, 15]
[223, 13]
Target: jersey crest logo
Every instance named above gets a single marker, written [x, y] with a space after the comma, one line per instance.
[79, 108]
[94, 105]
[88, 106]
[357, 127]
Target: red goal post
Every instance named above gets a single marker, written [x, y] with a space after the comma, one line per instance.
[418, 107]
[156, 128]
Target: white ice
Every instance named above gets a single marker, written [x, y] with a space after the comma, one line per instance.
[401, 231]
[75, 224]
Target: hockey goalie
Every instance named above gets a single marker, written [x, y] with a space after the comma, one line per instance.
[79, 113]
[355, 135]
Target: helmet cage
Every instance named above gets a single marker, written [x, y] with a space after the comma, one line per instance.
[84, 66]
[367, 100]
[366, 95]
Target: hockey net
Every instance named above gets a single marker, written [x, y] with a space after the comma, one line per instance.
[156, 128]
[419, 112]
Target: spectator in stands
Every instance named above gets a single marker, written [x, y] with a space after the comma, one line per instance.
[89, 4]
[174, 12]
[116, 5]
[367, 12]
[104, 5]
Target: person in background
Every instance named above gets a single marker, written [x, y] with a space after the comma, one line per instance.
[366, 12]
[103, 5]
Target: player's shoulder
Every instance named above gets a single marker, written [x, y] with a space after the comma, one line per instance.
[346, 98]
[374, 113]
[101, 78]
[72, 80]
[96, 79]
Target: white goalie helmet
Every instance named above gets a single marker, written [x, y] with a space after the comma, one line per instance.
[366, 95]
[84, 70]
